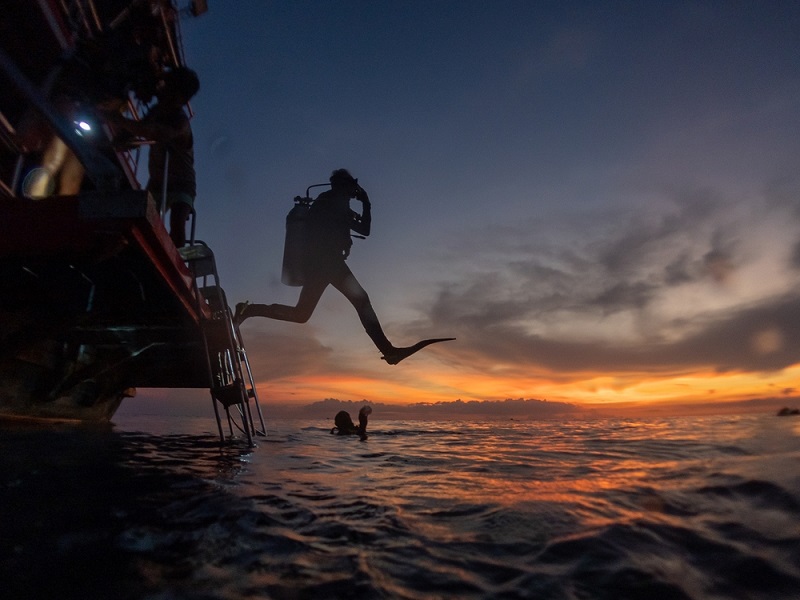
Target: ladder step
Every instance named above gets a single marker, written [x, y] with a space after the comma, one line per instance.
[228, 395]
[196, 252]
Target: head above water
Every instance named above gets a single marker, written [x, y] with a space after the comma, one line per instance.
[344, 422]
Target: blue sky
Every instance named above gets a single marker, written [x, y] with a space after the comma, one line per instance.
[599, 199]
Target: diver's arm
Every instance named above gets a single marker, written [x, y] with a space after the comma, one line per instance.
[151, 127]
[362, 223]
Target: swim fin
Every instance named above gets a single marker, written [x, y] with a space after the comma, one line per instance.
[397, 354]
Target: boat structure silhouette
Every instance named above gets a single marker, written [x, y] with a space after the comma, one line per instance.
[95, 298]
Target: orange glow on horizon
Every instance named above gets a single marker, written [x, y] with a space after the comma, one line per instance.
[586, 389]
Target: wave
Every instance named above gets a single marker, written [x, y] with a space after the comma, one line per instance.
[600, 510]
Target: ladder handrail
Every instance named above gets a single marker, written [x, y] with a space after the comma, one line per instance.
[231, 381]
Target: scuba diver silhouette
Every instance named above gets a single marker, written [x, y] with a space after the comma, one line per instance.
[328, 223]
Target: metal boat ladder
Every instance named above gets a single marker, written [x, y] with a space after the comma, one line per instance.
[231, 381]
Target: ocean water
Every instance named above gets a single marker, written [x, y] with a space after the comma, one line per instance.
[607, 509]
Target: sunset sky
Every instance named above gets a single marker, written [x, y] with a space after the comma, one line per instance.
[600, 200]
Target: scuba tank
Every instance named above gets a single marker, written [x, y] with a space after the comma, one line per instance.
[296, 243]
[295, 246]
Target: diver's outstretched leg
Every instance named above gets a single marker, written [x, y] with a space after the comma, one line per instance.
[395, 355]
[240, 314]
[300, 313]
[348, 285]
[352, 290]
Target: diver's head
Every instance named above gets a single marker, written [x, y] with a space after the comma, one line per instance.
[180, 85]
[342, 181]
[342, 177]
[343, 421]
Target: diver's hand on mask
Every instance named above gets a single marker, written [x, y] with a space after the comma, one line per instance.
[361, 195]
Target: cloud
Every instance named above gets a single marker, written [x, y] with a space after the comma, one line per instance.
[563, 50]
[277, 355]
[692, 282]
[764, 338]
[795, 259]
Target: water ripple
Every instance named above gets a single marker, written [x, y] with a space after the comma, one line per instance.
[589, 510]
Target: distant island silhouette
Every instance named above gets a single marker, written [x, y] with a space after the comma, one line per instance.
[508, 408]
[193, 403]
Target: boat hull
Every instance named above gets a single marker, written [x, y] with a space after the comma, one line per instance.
[95, 302]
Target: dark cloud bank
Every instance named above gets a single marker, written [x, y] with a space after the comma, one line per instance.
[501, 314]
[727, 342]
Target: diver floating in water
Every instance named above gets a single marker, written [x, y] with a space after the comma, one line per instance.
[323, 229]
[343, 423]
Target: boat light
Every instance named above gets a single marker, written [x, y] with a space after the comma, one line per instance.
[82, 127]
